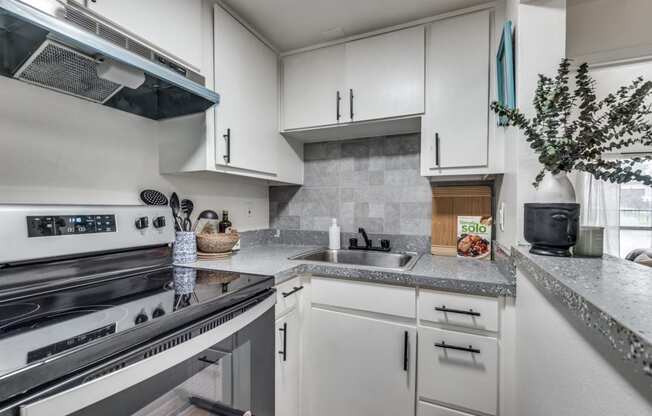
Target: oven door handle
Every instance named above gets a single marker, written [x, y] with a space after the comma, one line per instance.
[82, 396]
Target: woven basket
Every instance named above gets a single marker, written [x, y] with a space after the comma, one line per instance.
[216, 243]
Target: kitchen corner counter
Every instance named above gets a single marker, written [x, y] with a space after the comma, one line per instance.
[611, 296]
[474, 277]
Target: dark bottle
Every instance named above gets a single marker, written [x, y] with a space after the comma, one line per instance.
[225, 224]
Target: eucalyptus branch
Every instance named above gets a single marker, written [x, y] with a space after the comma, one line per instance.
[572, 130]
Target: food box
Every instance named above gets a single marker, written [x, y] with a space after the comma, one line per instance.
[474, 237]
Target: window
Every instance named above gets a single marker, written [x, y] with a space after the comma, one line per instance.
[636, 215]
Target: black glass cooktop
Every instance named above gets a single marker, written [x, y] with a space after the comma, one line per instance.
[46, 324]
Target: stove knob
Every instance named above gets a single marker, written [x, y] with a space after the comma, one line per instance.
[141, 318]
[159, 222]
[158, 312]
[142, 223]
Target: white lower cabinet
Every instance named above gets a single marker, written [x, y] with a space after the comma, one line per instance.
[428, 409]
[289, 346]
[369, 349]
[458, 369]
[360, 366]
[288, 359]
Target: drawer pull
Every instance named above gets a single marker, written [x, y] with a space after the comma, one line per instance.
[292, 292]
[454, 347]
[470, 312]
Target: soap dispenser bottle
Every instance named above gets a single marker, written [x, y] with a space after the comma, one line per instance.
[334, 236]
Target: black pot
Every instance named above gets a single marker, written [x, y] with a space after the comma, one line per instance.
[552, 228]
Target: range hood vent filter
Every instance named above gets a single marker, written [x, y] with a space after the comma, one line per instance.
[65, 47]
[57, 67]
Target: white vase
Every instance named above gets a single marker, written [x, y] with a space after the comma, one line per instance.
[555, 189]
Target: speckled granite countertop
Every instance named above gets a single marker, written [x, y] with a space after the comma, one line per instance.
[613, 297]
[474, 277]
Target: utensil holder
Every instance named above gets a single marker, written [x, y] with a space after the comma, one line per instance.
[185, 247]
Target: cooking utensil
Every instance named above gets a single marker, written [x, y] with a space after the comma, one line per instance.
[187, 207]
[152, 197]
[174, 204]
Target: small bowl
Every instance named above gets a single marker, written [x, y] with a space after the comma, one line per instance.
[217, 243]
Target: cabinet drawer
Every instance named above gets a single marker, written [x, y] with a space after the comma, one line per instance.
[448, 373]
[427, 409]
[370, 297]
[287, 296]
[475, 312]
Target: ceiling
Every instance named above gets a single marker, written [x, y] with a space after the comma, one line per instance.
[293, 24]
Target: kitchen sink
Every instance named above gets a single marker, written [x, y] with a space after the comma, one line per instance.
[375, 259]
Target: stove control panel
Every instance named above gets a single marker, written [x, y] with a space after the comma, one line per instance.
[53, 225]
[59, 347]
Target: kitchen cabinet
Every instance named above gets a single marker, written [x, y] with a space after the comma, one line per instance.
[360, 365]
[375, 78]
[240, 136]
[314, 88]
[173, 25]
[458, 369]
[454, 309]
[288, 349]
[246, 76]
[455, 131]
[428, 409]
[288, 352]
[385, 75]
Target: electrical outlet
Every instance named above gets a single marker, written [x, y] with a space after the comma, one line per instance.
[250, 209]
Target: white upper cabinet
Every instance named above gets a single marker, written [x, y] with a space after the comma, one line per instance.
[314, 88]
[173, 25]
[379, 77]
[385, 75]
[455, 127]
[246, 77]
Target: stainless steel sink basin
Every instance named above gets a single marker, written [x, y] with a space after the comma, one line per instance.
[375, 259]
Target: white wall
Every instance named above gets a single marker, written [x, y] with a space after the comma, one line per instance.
[608, 30]
[58, 149]
[540, 46]
[560, 372]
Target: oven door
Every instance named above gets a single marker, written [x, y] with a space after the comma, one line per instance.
[221, 366]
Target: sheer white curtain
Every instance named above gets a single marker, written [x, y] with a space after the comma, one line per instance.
[600, 207]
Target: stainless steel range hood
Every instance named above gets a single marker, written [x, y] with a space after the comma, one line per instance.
[69, 49]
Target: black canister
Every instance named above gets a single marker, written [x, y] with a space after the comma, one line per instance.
[552, 228]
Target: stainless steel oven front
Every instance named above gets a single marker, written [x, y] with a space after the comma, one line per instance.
[221, 365]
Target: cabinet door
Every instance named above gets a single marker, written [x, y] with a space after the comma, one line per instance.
[356, 366]
[312, 83]
[385, 74]
[173, 25]
[288, 344]
[455, 126]
[246, 77]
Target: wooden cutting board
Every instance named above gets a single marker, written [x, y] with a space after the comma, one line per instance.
[449, 202]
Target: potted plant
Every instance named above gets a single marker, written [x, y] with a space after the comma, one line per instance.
[571, 130]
